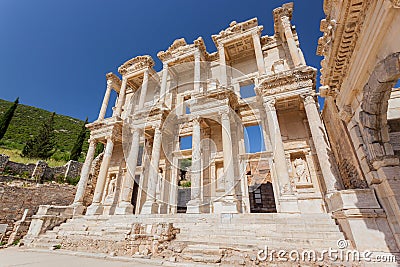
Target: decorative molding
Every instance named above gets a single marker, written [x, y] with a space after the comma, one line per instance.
[136, 64]
[237, 28]
[287, 81]
[339, 38]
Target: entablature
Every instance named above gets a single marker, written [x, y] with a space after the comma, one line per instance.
[287, 82]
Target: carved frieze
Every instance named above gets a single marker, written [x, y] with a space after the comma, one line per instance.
[287, 81]
[235, 29]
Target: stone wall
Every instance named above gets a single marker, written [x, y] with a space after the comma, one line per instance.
[17, 194]
[40, 171]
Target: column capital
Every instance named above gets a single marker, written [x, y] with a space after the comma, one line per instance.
[308, 98]
[224, 113]
[165, 65]
[285, 22]
[269, 104]
[109, 83]
[197, 120]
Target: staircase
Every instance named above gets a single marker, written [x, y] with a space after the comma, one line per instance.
[208, 238]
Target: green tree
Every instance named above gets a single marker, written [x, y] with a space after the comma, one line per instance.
[42, 145]
[77, 148]
[6, 119]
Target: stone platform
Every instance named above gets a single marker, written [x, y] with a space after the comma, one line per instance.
[209, 238]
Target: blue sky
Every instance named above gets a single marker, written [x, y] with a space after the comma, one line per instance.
[55, 54]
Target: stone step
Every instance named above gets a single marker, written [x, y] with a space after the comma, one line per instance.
[276, 242]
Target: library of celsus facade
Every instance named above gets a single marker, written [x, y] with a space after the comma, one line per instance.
[201, 97]
[231, 147]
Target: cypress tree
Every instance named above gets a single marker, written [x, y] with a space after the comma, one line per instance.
[77, 148]
[6, 119]
[42, 145]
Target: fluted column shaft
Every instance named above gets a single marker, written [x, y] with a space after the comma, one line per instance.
[258, 52]
[321, 145]
[121, 97]
[80, 191]
[290, 40]
[143, 91]
[106, 99]
[278, 149]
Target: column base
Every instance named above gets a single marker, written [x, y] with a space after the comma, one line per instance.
[95, 209]
[124, 208]
[193, 206]
[78, 209]
[227, 204]
[149, 207]
[288, 204]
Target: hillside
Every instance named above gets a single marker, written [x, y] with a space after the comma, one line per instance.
[27, 121]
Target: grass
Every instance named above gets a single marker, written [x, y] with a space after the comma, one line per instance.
[26, 123]
[15, 156]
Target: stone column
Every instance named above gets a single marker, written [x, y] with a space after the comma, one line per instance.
[121, 97]
[150, 206]
[258, 52]
[106, 99]
[80, 191]
[228, 204]
[223, 77]
[143, 91]
[321, 145]
[125, 206]
[164, 78]
[287, 200]
[197, 70]
[290, 40]
[193, 205]
[95, 207]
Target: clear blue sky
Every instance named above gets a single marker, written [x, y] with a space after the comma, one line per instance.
[55, 54]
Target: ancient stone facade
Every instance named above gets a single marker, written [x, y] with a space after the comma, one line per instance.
[200, 94]
[305, 192]
[361, 65]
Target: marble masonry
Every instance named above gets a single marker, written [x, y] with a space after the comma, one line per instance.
[181, 156]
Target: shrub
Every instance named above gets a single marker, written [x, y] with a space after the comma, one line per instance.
[73, 180]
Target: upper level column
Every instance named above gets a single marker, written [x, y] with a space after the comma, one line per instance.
[106, 99]
[143, 91]
[121, 97]
[258, 52]
[164, 78]
[222, 65]
[197, 70]
[321, 145]
[294, 52]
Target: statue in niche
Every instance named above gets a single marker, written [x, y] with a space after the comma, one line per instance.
[112, 186]
[301, 170]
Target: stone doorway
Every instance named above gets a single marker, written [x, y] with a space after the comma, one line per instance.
[135, 192]
[261, 198]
